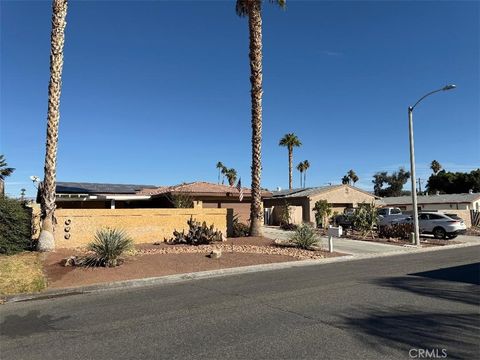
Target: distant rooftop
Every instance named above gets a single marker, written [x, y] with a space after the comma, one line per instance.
[432, 199]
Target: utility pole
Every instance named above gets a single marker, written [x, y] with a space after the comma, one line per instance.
[419, 186]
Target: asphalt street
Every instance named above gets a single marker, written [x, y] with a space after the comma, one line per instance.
[394, 307]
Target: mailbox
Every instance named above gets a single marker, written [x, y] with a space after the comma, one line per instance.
[335, 231]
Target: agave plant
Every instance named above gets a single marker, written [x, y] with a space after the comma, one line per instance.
[108, 245]
[304, 237]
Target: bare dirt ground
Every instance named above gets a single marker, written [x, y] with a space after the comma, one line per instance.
[160, 260]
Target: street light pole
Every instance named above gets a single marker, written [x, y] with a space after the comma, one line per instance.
[412, 161]
[413, 177]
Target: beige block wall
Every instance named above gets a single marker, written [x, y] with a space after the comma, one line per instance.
[295, 214]
[143, 225]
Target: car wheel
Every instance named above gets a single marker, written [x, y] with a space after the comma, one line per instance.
[439, 233]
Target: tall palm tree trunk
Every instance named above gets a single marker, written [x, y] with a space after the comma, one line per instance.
[290, 165]
[46, 240]
[255, 54]
[304, 178]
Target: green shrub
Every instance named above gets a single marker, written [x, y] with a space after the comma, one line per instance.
[198, 234]
[399, 231]
[240, 229]
[304, 237]
[108, 245]
[15, 226]
[322, 210]
[288, 227]
[365, 218]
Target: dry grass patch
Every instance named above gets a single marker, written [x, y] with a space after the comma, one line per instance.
[21, 273]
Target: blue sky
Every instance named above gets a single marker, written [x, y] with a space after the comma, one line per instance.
[157, 92]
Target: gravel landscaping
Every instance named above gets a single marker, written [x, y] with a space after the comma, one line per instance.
[424, 241]
[160, 260]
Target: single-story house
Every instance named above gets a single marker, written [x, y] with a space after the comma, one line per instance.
[302, 202]
[208, 195]
[444, 202]
[460, 204]
[71, 195]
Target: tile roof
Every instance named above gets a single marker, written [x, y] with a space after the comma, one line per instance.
[197, 187]
[312, 191]
[97, 188]
[432, 199]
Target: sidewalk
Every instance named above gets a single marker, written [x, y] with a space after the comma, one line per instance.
[359, 248]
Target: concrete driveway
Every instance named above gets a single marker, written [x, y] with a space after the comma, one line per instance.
[345, 246]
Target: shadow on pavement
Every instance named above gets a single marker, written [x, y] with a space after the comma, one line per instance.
[15, 326]
[469, 273]
[406, 329]
[458, 283]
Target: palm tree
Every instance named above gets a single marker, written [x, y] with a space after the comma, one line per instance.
[435, 166]
[5, 171]
[290, 141]
[224, 173]
[352, 176]
[253, 10]
[231, 175]
[220, 167]
[22, 193]
[301, 168]
[46, 240]
[345, 180]
[306, 166]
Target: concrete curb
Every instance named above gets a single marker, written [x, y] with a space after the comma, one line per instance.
[179, 278]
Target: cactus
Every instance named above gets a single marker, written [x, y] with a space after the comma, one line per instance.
[198, 234]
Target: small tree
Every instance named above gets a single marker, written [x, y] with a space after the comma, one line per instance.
[365, 218]
[285, 218]
[322, 211]
[181, 201]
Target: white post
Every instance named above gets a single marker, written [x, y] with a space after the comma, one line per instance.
[330, 244]
[112, 204]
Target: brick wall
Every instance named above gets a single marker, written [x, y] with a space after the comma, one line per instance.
[143, 225]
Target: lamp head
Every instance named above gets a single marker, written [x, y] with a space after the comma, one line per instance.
[449, 87]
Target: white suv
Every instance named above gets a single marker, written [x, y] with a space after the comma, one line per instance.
[440, 225]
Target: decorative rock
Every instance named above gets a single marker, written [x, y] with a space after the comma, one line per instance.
[223, 237]
[215, 254]
[70, 261]
[285, 243]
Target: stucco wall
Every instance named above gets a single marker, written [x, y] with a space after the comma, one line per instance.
[340, 198]
[279, 210]
[143, 225]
